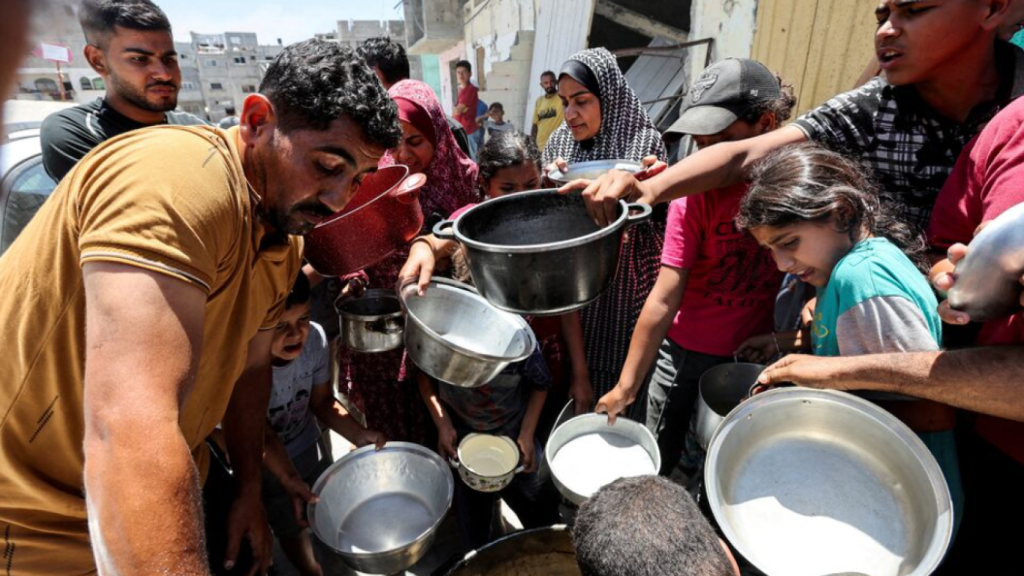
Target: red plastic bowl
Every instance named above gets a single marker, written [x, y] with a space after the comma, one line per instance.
[384, 216]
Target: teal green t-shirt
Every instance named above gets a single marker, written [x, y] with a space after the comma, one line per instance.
[875, 268]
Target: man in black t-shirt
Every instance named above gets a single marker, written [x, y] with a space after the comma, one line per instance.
[131, 47]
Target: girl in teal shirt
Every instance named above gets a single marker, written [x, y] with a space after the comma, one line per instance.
[822, 220]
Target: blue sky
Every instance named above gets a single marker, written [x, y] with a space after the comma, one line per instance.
[290, 20]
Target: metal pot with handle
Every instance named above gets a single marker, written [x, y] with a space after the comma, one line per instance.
[384, 216]
[540, 252]
[372, 322]
[487, 463]
[722, 388]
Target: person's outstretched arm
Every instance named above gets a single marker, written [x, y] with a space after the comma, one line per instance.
[986, 380]
[142, 345]
[716, 166]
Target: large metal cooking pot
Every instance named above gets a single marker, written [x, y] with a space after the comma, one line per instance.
[722, 388]
[540, 252]
[455, 336]
[383, 216]
[811, 482]
[379, 511]
[538, 552]
[372, 322]
[613, 450]
[988, 279]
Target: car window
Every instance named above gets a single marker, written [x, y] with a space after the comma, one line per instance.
[23, 191]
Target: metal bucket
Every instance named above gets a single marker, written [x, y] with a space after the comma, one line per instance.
[372, 322]
[809, 482]
[609, 443]
[379, 511]
[455, 336]
[722, 388]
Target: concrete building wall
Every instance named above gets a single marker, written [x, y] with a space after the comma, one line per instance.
[499, 43]
[352, 33]
[446, 70]
[731, 24]
[230, 68]
[57, 23]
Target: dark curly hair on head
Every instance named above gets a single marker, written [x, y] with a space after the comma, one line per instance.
[315, 82]
[506, 149]
[808, 183]
[386, 55]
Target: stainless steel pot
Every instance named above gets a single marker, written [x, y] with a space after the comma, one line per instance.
[722, 388]
[988, 279]
[455, 336]
[538, 552]
[540, 252]
[625, 434]
[810, 482]
[379, 511]
[372, 322]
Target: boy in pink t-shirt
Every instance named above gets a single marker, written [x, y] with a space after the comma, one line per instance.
[716, 287]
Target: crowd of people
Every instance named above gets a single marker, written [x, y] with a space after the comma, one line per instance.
[172, 365]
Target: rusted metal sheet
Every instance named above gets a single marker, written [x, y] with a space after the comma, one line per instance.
[819, 46]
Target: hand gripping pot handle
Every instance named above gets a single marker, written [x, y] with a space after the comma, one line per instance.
[445, 230]
[633, 218]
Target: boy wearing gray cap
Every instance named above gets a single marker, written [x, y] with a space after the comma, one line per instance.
[717, 286]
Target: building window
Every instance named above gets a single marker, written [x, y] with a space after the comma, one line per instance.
[216, 86]
[86, 83]
[248, 89]
[188, 86]
[98, 84]
[212, 63]
[47, 86]
[239, 59]
[236, 39]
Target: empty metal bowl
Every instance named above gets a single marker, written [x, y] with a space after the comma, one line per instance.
[811, 482]
[379, 511]
[612, 452]
[592, 170]
[455, 336]
[372, 322]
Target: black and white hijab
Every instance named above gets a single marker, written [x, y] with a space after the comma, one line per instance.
[626, 132]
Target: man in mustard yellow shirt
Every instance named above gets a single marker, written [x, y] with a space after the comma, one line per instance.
[547, 112]
[137, 312]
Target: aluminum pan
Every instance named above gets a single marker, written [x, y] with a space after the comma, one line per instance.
[592, 170]
[813, 482]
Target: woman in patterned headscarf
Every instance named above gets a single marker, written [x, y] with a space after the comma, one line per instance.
[604, 120]
[383, 386]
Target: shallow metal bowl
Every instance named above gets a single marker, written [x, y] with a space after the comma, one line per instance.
[456, 336]
[592, 170]
[623, 434]
[379, 511]
[814, 482]
[538, 552]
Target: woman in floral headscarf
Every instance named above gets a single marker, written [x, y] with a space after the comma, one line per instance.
[383, 386]
[604, 120]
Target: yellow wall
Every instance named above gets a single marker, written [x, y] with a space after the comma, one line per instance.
[820, 47]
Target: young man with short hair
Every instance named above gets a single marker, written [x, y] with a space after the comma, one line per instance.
[179, 244]
[647, 525]
[946, 76]
[465, 111]
[388, 60]
[547, 111]
[130, 46]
